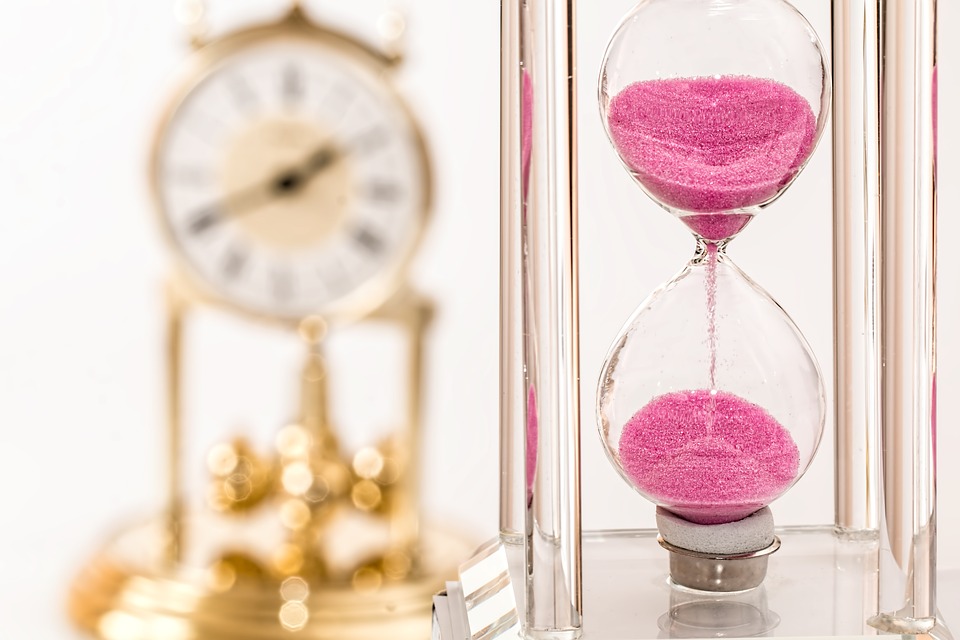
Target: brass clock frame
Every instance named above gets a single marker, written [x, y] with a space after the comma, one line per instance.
[294, 27]
[140, 586]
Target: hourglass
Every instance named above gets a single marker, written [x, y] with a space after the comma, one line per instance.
[711, 403]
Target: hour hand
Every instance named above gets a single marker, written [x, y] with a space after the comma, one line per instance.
[211, 215]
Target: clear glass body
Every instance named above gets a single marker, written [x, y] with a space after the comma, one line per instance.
[907, 325]
[714, 106]
[711, 403]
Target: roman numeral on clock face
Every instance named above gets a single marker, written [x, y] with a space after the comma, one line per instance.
[203, 220]
[292, 85]
[234, 262]
[242, 93]
[369, 141]
[282, 284]
[367, 239]
[382, 191]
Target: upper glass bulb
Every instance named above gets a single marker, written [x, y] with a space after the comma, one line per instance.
[714, 106]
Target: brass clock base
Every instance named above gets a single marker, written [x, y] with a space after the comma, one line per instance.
[125, 593]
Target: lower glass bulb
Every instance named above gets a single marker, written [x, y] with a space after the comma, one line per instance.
[711, 403]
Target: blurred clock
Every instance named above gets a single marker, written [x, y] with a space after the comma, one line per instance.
[290, 176]
[293, 185]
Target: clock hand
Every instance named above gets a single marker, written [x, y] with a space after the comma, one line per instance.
[235, 204]
[248, 201]
[294, 179]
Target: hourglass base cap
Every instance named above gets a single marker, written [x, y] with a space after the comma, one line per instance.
[718, 572]
[753, 533]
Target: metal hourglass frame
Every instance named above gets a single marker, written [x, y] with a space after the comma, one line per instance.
[879, 555]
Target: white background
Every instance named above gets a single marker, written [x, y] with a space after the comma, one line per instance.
[81, 440]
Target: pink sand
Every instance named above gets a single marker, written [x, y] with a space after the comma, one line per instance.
[532, 440]
[717, 226]
[708, 466]
[711, 286]
[526, 131]
[712, 145]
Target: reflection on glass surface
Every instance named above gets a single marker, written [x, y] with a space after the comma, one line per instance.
[695, 614]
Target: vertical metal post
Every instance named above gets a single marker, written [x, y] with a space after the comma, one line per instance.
[176, 310]
[856, 218]
[908, 330]
[405, 516]
[540, 218]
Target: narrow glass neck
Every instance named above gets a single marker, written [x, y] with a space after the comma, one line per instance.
[706, 247]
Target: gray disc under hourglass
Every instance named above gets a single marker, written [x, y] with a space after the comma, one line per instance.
[753, 533]
[718, 557]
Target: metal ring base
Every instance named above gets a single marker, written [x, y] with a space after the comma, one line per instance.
[718, 572]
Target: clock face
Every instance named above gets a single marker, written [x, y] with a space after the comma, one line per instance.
[292, 180]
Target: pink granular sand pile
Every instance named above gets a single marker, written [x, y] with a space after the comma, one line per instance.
[711, 145]
[708, 462]
[717, 226]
